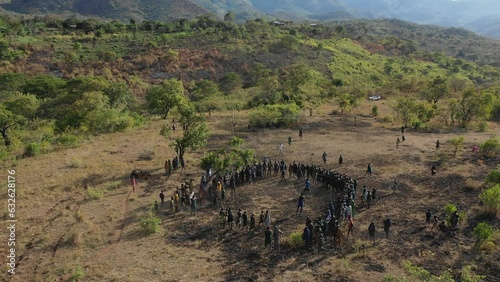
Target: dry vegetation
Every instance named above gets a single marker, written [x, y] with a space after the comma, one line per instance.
[66, 231]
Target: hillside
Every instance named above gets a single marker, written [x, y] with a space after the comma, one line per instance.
[123, 10]
[478, 16]
[68, 234]
[84, 102]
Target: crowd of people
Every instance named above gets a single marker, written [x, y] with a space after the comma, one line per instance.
[335, 220]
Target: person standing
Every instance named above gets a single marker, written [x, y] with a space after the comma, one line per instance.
[133, 180]
[371, 231]
[369, 169]
[428, 216]
[300, 204]
[267, 238]
[397, 143]
[193, 205]
[300, 133]
[350, 227]
[324, 157]
[306, 236]
[437, 145]
[267, 219]
[261, 219]
[364, 196]
[252, 222]
[402, 129]
[369, 198]
[280, 148]
[307, 186]
[277, 234]
[172, 206]
[341, 160]
[230, 218]
[244, 219]
[289, 140]
[162, 197]
[387, 225]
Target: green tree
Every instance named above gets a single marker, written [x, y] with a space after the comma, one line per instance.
[119, 95]
[44, 86]
[493, 177]
[289, 42]
[161, 99]
[346, 102]
[12, 81]
[232, 157]
[204, 88]
[456, 142]
[491, 200]
[230, 16]
[471, 105]
[483, 231]
[436, 90]
[257, 73]
[406, 109]
[195, 134]
[491, 147]
[16, 109]
[230, 81]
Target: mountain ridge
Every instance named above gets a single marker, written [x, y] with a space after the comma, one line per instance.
[481, 16]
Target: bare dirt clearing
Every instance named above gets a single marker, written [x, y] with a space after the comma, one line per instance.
[61, 229]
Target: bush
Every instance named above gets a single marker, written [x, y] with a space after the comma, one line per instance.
[76, 163]
[67, 141]
[95, 194]
[389, 119]
[493, 177]
[482, 232]
[113, 185]
[468, 276]
[77, 274]
[491, 200]
[375, 111]
[32, 149]
[483, 126]
[280, 115]
[491, 147]
[449, 209]
[295, 240]
[150, 224]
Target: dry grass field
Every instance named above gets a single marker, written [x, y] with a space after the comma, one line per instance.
[63, 234]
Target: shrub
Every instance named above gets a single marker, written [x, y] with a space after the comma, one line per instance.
[295, 240]
[468, 276]
[482, 232]
[389, 119]
[491, 200]
[77, 274]
[32, 149]
[449, 209]
[76, 163]
[483, 126]
[67, 141]
[150, 224]
[417, 272]
[95, 194]
[491, 147]
[493, 177]
[280, 115]
[113, 185]
[375, 111]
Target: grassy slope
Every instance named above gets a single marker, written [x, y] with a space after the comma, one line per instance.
[60, 229]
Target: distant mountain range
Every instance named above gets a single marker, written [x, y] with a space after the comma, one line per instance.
[481, 16]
